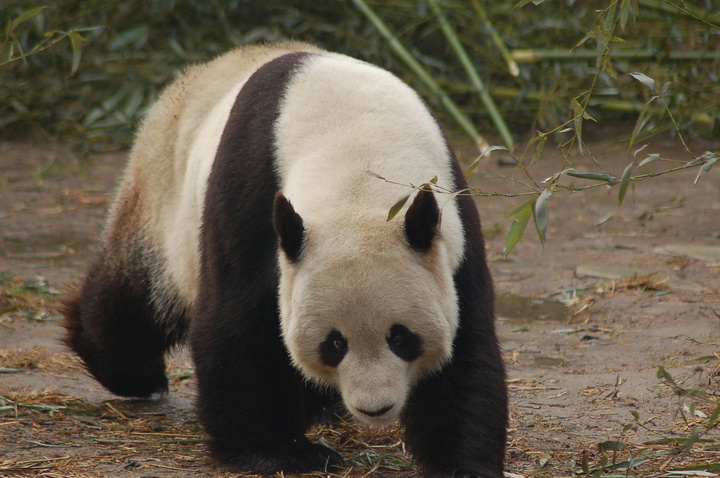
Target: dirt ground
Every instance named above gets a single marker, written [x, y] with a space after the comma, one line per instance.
[585, 320]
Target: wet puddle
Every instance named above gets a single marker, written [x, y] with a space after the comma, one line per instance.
[541, 362]
[526, 309]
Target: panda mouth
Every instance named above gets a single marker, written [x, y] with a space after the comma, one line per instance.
[376, 413]
[376, 418]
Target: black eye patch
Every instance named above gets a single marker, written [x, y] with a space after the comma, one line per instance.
[405, 344]
[333, 349]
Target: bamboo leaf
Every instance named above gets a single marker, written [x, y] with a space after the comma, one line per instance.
[578, 113]
[134, 100]
[590, 34]
[706, 468]
[610, 179]
[707, 166]
[663, 375]
[693, 438]
[520, 221]
[373, 175]
[522, 3]
[645, 80]
[713, 420]
[88, 420]
[25, 16]
[625, 9]
[539, 148]
[76, 42]
[609, 20]
[43, 408]
[482, 155]
[397, 207]
[649, 158]
[624, 183]
[540, 214]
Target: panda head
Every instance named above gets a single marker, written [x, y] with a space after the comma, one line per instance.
[368, 307]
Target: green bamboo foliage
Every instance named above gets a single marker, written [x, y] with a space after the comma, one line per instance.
[472, 73]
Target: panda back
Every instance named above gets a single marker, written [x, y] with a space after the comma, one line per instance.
[172, 157]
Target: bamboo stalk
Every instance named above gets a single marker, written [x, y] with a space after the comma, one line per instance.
[620, 106]
[532, 56]
[423, 75]
[487, 24]
[472, 73]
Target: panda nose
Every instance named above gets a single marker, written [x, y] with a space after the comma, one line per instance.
[376, 413]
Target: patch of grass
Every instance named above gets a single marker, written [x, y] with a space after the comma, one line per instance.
[38, 358]
[26, 299]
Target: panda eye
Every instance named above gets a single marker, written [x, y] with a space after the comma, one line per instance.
[397, 339]
[404, 343]
[333, 349]
[340, 344]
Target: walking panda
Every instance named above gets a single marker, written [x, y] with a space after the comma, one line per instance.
[245, 224]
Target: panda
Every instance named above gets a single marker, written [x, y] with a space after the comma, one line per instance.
[246, 225]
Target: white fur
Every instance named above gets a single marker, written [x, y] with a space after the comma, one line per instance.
[180, 230]
[357, 275]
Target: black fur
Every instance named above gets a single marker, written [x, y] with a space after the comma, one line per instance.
[333, 349]
[421, 221]
[404, 343]
[289, 227]
[251, 400]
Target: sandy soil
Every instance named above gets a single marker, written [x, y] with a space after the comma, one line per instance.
[584, 328]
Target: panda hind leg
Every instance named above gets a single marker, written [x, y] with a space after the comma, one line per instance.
[110, 324]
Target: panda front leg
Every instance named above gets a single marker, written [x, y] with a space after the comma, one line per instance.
[250, 398]
[456, 420]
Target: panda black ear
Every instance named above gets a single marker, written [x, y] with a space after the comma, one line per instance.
[289, 227]
[422, 221]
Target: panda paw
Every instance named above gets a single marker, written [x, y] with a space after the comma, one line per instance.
[294, 457]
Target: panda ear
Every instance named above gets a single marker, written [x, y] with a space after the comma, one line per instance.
[289, 227]
[422, 221]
